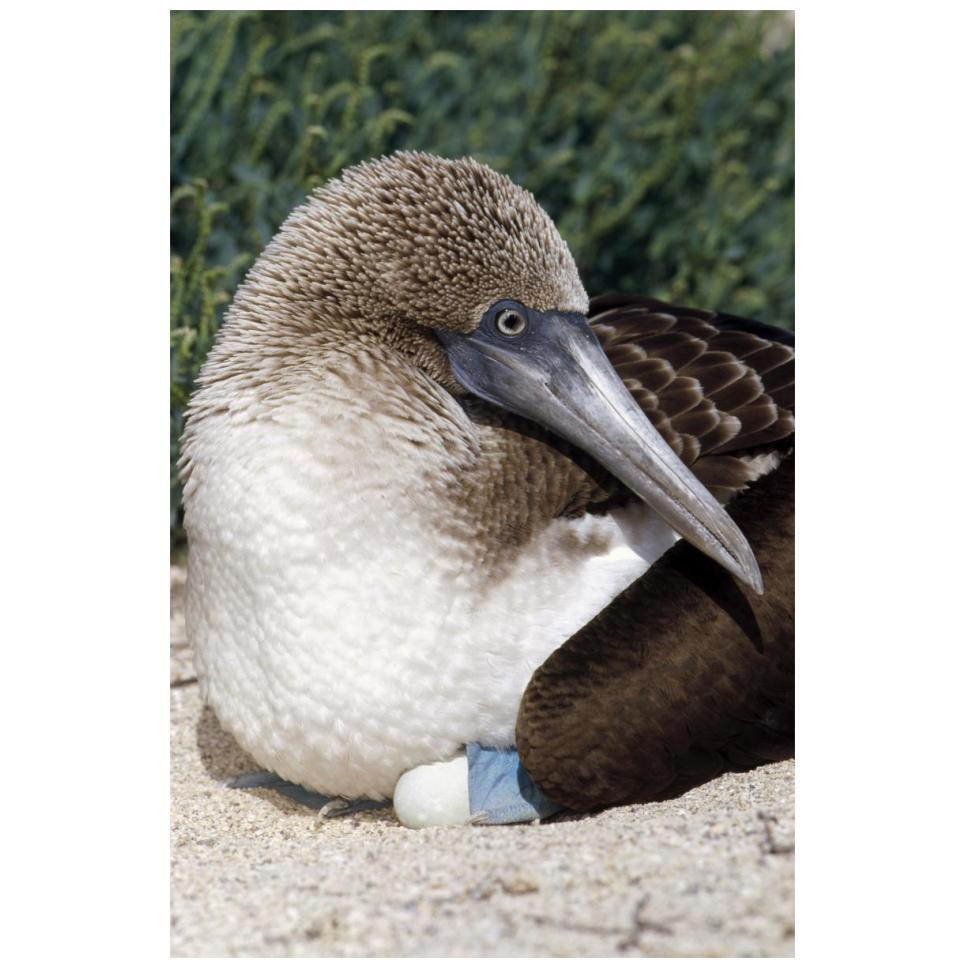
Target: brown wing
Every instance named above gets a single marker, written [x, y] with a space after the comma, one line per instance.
[718, 388]
[685, 674]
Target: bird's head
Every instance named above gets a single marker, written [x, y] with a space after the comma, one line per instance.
[460, 270]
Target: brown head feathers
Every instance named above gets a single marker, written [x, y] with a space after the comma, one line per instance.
[416, 238]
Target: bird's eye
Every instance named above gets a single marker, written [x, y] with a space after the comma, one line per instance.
[510, 322]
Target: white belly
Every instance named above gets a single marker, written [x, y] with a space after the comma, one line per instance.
[342, 637]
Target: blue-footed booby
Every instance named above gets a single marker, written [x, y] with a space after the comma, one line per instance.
[424, 479]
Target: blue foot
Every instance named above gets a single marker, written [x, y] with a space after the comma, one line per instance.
[501, 790]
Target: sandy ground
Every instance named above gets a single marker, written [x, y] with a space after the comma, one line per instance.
[255, 874]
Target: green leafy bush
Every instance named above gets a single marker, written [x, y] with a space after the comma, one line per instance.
[660, 142]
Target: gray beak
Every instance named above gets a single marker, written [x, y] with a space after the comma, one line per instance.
[557, 374]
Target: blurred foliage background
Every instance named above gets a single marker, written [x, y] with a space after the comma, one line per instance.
[660, 142]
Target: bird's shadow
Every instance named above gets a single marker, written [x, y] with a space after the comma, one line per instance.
[223, 759]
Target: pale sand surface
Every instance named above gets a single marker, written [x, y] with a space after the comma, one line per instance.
[254, 874]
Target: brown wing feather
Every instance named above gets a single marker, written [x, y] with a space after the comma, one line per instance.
[717, 387]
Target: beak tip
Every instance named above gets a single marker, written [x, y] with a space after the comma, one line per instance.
[753, 578]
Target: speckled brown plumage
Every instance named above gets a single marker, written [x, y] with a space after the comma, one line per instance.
[686, 673]
[718, 388]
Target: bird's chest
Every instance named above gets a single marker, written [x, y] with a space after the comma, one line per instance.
[308, 530]
[351, 615]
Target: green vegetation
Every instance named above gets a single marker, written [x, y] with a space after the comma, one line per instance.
[661, 143]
